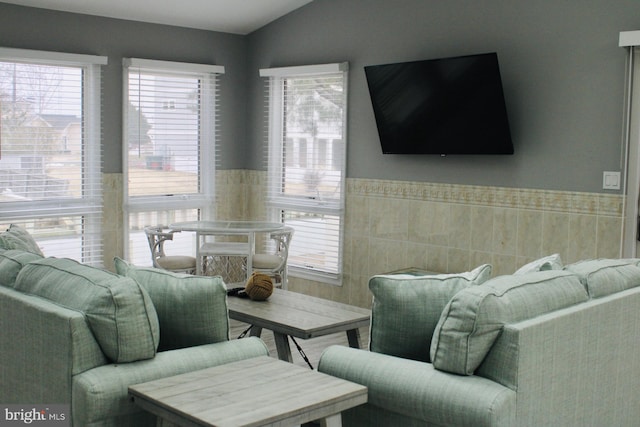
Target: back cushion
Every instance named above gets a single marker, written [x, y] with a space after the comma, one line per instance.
[118, 310]
[551, 262]
[603, 277]
[192, 310]
[11, 262]
[406, 309]
[474, 317]
[17, 237]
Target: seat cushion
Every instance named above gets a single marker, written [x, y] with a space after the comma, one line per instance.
[11, 262]
[118, 310]
[100, 397]
[406, 309]
[474, 317]
[17, 237]
[602, 277]
[266, 261]
[192, 310]
[177, 262]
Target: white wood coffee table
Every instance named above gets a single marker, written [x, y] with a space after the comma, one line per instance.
[298, 315]
[261, 391]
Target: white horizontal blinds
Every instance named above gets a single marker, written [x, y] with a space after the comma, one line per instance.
[41, 131]
[317, 245]
[313, 149]
[163, 127]
[307, 148]
[50, 160]
[170, 142]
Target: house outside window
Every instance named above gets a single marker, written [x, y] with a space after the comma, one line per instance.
[306, 164]
[50, 159]
[169, 149]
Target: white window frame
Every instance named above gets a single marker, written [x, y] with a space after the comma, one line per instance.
[630, 244]
[89, 206]
[204, 200]
[276, 200]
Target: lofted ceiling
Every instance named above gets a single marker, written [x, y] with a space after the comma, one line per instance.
[229, 16]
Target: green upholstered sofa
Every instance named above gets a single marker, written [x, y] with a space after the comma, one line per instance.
[77, 335]
[538, 348]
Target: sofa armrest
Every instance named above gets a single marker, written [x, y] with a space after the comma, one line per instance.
[100, 395]
[415, 389]
[42, 345]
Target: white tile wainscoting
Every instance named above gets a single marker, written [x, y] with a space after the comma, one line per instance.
[439, 227]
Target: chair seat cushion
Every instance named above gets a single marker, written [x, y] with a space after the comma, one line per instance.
[118, 310]
[177, 262]
[266, 261]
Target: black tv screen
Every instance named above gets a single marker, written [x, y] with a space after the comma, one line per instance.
[440, 106]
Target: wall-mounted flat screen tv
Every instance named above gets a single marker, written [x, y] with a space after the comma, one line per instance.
[440, 106]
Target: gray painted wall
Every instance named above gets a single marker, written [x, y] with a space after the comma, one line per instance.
[31, 28]
[562, 70]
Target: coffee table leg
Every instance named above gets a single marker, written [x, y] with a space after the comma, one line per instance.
[353, 335]
[331, 421]
[256, 331]
[282, 346]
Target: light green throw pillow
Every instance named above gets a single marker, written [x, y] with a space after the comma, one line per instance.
[118, 310]
[406, 309]
[603, 277]
[192, 310]
[474, 317]
[551, 262]
[17, 237]
[11, 262]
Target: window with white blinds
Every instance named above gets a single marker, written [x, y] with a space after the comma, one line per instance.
[50, 159]
[307, 109]
[169, 149]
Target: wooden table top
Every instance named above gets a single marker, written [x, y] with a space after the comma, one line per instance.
[298, 315]
[252, 392]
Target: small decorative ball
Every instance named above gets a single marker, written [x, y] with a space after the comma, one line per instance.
[259, 286]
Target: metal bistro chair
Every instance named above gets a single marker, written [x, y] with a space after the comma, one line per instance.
[275, 264]
[157, 236]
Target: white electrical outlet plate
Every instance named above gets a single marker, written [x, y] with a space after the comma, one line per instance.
[611, 180]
